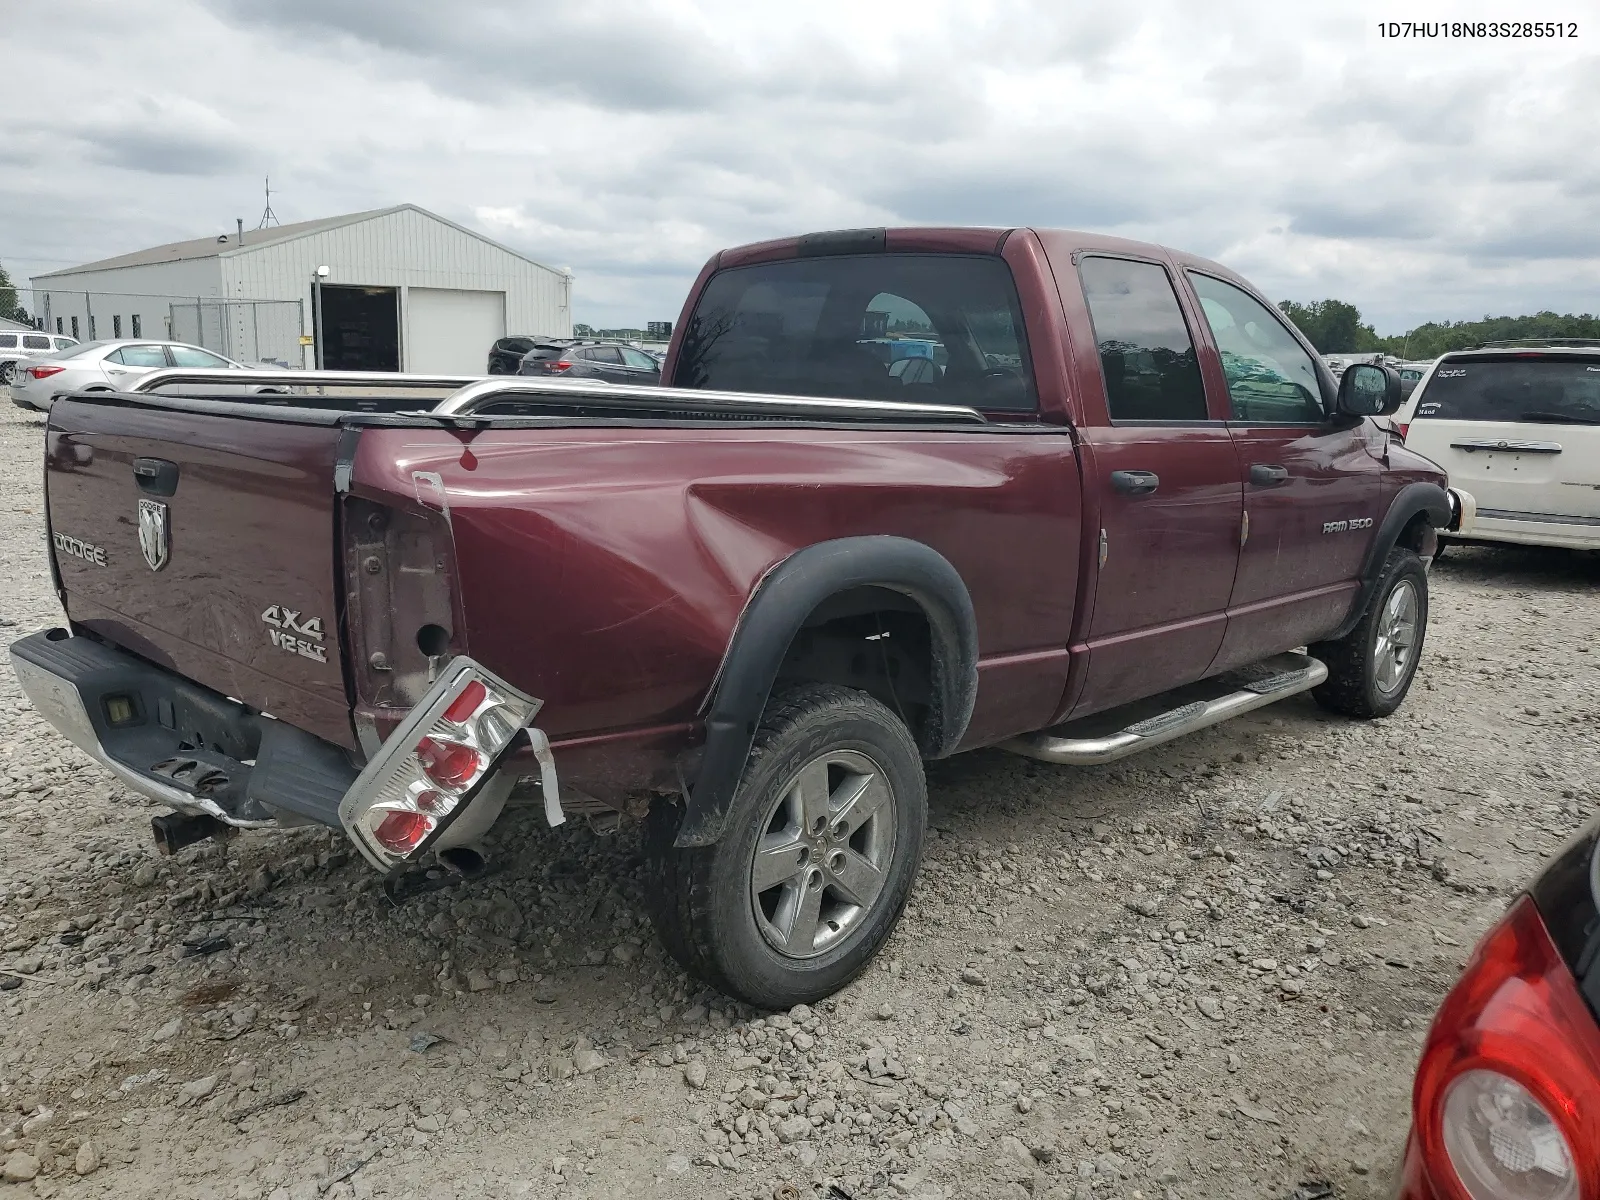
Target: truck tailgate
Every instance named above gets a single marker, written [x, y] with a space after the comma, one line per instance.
[205, 543]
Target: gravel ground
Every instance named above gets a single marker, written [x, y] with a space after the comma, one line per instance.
[1204, 972]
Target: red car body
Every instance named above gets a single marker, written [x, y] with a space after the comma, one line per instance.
[605, 568]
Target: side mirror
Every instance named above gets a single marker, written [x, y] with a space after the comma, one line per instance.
[1369, 390]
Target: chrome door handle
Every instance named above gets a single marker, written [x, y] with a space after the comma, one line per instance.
[1135, 483]
[1268, 474]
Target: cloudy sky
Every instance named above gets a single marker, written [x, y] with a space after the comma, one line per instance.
[629, 139]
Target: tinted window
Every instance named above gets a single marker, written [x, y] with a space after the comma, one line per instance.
[140, 356]
[836, 326]
[516, 345]
[1146, 354]
[638, 359]
[191, 356]
[35, 341]
[1549, 391]
[604, 354]
[8, 341]
[1271, 378]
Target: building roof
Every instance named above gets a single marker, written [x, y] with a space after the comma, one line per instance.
[227, 245]
[9, 325]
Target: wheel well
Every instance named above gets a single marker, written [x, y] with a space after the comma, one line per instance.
[1419, 535]
[871, 638]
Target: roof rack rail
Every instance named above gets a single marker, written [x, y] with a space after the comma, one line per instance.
[1510, 343]
[469, 395]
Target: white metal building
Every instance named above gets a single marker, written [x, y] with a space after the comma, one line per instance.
[394, 289]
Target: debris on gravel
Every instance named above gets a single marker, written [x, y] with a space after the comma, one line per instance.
[1200, 973]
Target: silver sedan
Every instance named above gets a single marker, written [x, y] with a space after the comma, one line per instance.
[115, 366]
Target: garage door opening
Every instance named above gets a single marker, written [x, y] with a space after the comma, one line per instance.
[360, 328]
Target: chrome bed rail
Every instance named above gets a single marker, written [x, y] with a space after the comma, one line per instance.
[471, 394]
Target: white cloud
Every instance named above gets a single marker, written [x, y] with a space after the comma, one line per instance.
[629, 139]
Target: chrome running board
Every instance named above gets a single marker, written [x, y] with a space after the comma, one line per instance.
[1089, 742]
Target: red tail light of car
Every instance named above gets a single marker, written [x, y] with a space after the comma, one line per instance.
[44, 371]
[560, 365]
[1507, 1098]
[1402, 428]
[435, 763]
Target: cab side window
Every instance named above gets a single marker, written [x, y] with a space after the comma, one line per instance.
[1146, 354]
[1271, 379]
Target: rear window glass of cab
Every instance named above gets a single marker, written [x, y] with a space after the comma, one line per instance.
[924, 328]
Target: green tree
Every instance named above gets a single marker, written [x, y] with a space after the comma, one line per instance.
[9, 308]
[1332, 326]
[1434, 338]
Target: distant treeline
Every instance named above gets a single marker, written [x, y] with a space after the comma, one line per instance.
[1335, 327]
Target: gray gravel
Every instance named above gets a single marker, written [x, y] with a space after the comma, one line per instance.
[1201, 973]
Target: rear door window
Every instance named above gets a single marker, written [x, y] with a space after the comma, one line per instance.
[1551, 391]
[36, 341]
[1271, 378]
[837, 327]
[1146, 354]
[139, 356]
[8, 341]
[604, 354]
[193, 356]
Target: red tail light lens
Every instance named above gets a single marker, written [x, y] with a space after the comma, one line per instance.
[1402, 428]
[402, 832]
[448, 764]
[1507, 1098]
[464, 705]
[44, 372]
[562, 365]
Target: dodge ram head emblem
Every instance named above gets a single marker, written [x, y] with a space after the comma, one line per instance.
[154, 536]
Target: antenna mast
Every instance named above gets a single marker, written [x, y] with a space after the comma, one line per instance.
[268, 217]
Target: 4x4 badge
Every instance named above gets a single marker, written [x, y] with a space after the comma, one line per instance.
[155, 538]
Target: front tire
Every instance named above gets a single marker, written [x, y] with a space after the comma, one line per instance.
[1370, 669]
[823, 843]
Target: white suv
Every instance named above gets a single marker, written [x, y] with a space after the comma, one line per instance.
[1518, 426]
[19, 345]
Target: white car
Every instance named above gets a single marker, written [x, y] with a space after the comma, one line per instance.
[17, 346]
[1517, 426]
[116, 366]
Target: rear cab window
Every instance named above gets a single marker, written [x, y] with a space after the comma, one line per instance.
[1519, 387]
[925, 328]
[8, 341]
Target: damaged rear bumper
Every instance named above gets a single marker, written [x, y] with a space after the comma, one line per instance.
[206, 755]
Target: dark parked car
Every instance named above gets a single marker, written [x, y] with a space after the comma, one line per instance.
[613, 362]
[506, 354]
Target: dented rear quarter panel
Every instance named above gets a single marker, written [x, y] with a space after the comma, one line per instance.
[604, 570]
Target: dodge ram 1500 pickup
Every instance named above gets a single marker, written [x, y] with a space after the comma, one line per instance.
[1112, 497]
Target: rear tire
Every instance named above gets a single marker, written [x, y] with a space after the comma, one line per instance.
[823, 844]
[1370, 669]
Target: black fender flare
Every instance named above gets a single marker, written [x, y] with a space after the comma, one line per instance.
[1414, 498]
[785, 597]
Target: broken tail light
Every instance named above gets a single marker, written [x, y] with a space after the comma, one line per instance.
[435, 763]
[1507, 1097]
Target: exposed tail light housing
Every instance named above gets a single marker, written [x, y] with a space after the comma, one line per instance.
[1507, 1098]
[44, 371]
[1402, 428]
[436, 762]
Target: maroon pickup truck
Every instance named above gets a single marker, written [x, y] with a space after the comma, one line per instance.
[905, 493]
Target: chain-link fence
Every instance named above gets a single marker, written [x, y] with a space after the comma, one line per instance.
[247, 331]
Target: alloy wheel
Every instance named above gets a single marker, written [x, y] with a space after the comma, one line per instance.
[823, 856]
